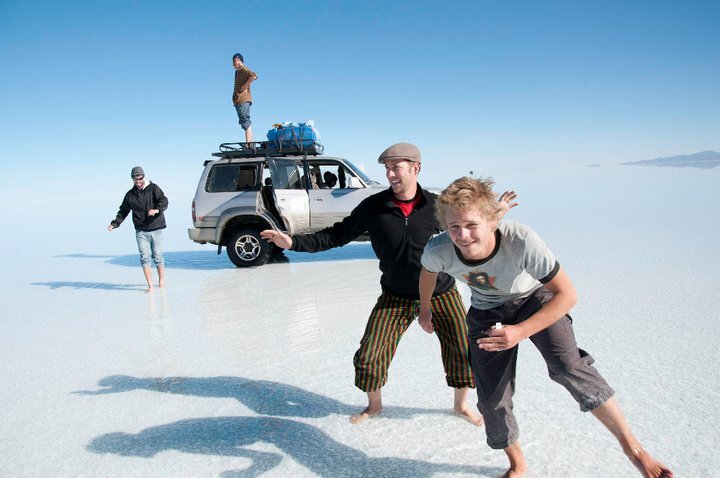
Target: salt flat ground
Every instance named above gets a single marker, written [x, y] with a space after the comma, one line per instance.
[233, 373]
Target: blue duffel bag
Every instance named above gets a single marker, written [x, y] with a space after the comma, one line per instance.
[292, 136]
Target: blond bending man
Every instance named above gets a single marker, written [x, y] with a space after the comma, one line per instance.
[519, 291]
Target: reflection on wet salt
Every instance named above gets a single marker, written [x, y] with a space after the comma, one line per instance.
[303, 328]
[298, 305]
[159, 329]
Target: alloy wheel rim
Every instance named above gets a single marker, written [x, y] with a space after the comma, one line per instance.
[247, 247]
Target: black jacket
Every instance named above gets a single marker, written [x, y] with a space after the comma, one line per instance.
[398, 242]
[140, 201]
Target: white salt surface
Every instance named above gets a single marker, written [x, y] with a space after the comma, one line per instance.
[238, 373]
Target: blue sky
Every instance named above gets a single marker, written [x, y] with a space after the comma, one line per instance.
[94, 88]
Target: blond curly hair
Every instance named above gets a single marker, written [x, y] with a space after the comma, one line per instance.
[468, 193]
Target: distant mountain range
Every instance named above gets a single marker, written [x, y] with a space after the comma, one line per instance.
[703, 160]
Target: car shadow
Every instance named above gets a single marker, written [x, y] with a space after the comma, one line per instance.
[211, 260]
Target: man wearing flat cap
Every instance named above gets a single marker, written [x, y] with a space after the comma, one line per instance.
[399, 221]
[147, 202]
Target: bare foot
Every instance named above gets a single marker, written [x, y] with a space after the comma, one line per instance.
[150, 290]
[515, 473]
[518, 465]
[467, 414]
[649, 467]
[364, 415]
[161, 284]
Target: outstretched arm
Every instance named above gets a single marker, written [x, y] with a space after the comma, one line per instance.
[336, 235]
[121, 215]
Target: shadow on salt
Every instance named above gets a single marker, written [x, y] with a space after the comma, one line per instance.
[235, 435]
[210, 260]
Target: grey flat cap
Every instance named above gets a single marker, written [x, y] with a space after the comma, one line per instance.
[406, 151]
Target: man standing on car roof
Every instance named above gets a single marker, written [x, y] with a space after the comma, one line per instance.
[399, 221]
[242, 98]
[147, 202]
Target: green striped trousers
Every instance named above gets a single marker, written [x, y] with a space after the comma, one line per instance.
[391, 317]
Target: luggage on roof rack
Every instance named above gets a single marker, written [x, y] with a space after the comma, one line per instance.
[258, 149]
[284, 135]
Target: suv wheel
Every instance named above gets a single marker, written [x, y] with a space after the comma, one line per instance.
[246, 248]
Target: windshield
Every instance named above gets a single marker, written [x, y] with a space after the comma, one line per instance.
[360, 173]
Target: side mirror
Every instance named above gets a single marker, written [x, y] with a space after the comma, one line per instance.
[354, 183]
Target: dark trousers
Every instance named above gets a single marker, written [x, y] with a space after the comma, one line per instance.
[494, 372]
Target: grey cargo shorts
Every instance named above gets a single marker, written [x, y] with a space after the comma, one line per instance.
[494, 372]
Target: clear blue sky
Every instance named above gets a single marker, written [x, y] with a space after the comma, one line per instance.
[94, 88]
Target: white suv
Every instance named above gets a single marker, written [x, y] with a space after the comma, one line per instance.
[256, 186]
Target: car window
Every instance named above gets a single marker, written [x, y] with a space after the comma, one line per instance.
[329, 174]
[285, 174]
[361, 173]
[231, 177]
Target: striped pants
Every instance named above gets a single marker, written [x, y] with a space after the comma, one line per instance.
[391, 317]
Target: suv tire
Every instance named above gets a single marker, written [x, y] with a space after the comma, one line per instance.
[246, 248]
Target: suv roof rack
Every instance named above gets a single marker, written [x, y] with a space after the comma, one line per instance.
[257, 149]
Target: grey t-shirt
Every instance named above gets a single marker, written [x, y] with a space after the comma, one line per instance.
[518, 265]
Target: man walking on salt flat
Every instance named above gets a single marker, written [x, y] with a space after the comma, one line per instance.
[147, 202]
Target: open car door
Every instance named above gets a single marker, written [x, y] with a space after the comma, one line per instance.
[291, 198]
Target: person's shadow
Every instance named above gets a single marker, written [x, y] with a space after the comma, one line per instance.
[306, 444]
[91, 285]
[261, 396]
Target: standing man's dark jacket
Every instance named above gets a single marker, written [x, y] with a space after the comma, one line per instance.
[140, 201]
[397, 241]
